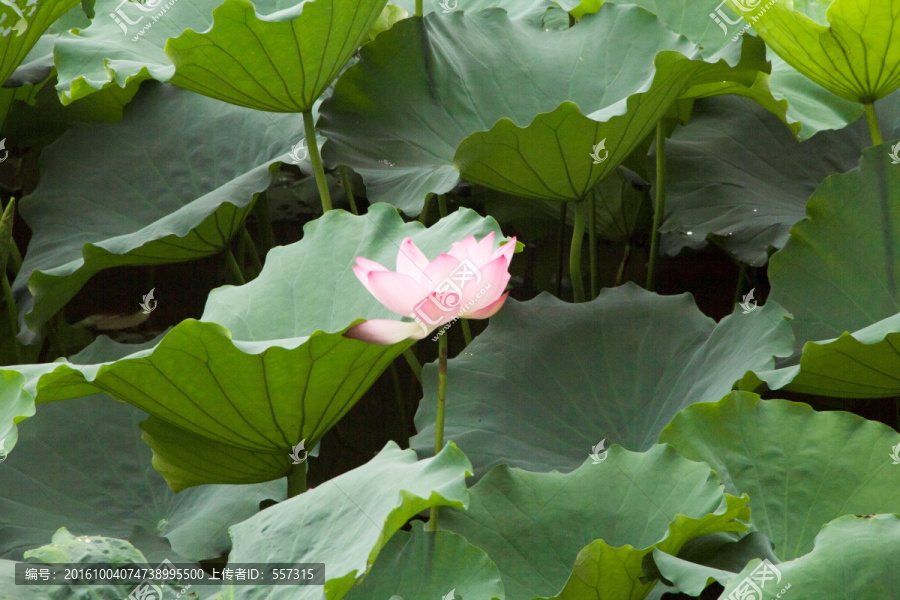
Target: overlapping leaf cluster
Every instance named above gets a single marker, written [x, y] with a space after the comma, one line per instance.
[148, 134]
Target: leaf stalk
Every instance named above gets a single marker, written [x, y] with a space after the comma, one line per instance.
[439, 422]
[316, 159]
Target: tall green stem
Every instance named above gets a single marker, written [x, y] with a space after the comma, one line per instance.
[420, 7]
[872, 119]
[316, 159]
[575, 251]
[11, 314]
[467, 331]
[348, 189]
[413, 363]
[592, 240]
[561, 246]
[296, 480]
[439, 423]
[234, 271]
[442, 205]
[625, 256]
[660, 210]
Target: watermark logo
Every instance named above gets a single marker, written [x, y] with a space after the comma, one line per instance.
[4, 453]
[596, 152]
[5, 151]
[595, 453]
[121, 17]
[751, 588]
[747, 5]
[147, 590]
[895, 154]
[748, 308]
[299, 152]
[446, 298]
[721, 18]
[448, 6]
[21, 23]
[146, 304]
[296, 450]
[895, 455]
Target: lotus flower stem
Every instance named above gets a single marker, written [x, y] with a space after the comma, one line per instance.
[439, 422]
[874, 128]
[253, 252]
[660, 210]
[575, 251]
[348, 189]
[316, 159]
[413, 363]
[467, 331]
[625, 256]
[442, 205]
[264, 222]
[234, 271]
[420, 7]
[560, 247]
[592, 240]
[296, 480]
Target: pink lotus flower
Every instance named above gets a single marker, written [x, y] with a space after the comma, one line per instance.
[468, 282]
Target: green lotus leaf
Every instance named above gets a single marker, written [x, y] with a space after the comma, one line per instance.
[21, 25]
[747, 190]
[267, 365]
[281, 62]
[687, 577]
[347, 521]
[11, 591]
[852, 50]
[716, 28]
[39, 116]
[697, 20]
[858, 365]
[400, 119]
[715, 557]
[142, 198]
[528, 11]
[66, 548]
[389, 15]
[124, 44]
[854, 557]
[423, 564]
[16, 405]
[101, 482]
[524, 399]
[813, 106]
[624, 507]
[840, 269]
[801, 468]
[562, 155]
